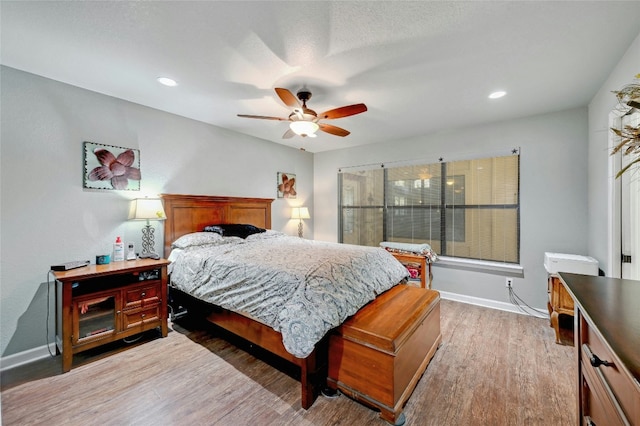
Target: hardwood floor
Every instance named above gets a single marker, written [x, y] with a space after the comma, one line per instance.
[493, 368]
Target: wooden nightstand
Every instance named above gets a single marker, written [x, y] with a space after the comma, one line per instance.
[560, 302]
[420, 263]
[99, 304]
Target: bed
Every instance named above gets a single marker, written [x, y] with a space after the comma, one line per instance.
[188, 215]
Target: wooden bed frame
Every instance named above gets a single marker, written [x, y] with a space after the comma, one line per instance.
[191, 213]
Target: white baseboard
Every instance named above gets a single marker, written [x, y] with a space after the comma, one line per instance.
[25, 357]
[488, 303]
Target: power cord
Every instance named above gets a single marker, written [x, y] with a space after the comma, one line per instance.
[522, 305]
[132, 339]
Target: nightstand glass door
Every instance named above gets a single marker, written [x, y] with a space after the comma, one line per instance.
[96, 317]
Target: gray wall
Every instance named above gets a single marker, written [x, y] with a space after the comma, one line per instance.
[553, 191]
[47, 217]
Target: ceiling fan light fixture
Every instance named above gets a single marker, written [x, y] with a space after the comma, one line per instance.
[304, 128]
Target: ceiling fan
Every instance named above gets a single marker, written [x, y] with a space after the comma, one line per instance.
[306, 122]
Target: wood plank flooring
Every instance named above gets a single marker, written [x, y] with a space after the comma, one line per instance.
[493, 368]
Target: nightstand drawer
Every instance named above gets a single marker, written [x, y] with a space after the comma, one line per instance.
[143, 295]
[138, 317]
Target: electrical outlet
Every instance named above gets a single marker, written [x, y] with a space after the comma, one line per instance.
[508, 282]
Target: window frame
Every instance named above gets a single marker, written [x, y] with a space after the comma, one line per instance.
[508, 266]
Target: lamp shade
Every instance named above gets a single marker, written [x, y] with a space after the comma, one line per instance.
[300, 213]
[304, 128]
[146, 208]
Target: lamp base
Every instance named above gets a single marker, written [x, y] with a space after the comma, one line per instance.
[148, 243]
[149, 256]
[300, 229]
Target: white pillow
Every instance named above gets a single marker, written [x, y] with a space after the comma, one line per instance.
[197, 239]
[269, 233]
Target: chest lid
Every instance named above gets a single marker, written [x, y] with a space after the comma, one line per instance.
[387, 321]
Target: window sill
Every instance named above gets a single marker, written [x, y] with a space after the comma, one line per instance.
[497, 268]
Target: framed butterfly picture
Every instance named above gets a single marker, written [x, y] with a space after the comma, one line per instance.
[286, 185]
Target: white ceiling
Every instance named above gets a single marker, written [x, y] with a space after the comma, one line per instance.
[420, 67]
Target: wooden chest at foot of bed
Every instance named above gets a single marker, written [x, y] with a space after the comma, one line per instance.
[378, 355]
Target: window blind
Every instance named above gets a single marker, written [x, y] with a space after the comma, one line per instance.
[466, 208]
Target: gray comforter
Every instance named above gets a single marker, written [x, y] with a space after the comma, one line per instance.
[300, 288]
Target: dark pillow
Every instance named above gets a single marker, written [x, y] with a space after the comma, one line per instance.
[234, 229]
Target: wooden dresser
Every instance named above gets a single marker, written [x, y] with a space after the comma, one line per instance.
[607, 341]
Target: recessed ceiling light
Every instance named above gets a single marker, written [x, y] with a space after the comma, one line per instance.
[167, 81]
[498, 94]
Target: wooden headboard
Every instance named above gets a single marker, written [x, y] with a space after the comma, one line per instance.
[191, 213]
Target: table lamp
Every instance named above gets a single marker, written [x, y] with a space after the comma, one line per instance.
[147, 209]
[300, 213]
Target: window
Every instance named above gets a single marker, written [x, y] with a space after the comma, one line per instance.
[466, 209]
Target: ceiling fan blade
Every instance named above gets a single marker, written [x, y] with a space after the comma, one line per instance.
[264, 117]
[344, 111]
[288, 134]
[333, 129]
[287, 97]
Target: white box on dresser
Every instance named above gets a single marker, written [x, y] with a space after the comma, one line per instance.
[572, 263]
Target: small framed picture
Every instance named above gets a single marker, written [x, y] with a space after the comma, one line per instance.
[110, 167]
[286, 185]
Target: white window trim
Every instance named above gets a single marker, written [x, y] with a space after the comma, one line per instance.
[474, 155]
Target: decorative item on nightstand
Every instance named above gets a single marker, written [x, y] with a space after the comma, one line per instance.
[147, 209]
[300, 213]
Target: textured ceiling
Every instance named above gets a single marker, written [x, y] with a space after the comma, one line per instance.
[420, 67]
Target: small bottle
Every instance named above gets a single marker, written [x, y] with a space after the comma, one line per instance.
[118, 250]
